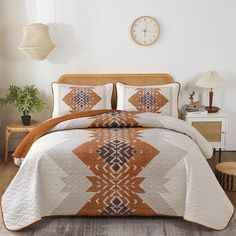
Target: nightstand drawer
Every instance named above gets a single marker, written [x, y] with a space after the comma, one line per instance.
[211, 130]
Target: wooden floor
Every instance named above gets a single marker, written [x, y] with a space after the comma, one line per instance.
[138, 226]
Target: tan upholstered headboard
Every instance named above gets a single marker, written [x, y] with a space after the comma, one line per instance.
[129, 79]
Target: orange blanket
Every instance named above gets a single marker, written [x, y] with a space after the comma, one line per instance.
[43, 128]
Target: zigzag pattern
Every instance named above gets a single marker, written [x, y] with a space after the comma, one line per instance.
[81, 98]
[148, 100]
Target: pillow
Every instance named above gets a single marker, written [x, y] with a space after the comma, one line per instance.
[161, 99]
[74, 98]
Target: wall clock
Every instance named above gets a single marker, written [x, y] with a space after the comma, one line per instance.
[145, 30]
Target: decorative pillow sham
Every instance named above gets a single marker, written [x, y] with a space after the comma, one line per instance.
[160, 99]
[74, 98]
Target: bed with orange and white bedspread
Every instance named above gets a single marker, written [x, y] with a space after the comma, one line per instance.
[113, 163]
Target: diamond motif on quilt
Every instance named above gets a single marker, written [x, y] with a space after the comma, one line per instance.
[117, 207]
[116, 153]
[81, 99]
[148, 99]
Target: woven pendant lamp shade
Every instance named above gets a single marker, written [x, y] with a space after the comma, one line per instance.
[36, 42]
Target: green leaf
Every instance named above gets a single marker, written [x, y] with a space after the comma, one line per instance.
[26, 99]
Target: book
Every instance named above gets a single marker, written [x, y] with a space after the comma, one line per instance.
[199, 110]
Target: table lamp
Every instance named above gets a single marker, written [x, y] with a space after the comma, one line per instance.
[210, 80]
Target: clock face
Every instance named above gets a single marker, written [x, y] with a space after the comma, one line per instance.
[145, 30]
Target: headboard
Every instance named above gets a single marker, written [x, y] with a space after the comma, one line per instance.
[129, 79]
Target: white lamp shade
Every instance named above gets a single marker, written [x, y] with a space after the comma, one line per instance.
[210, 79]
[36, 42]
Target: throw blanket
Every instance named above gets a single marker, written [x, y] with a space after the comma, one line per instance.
[115, 164]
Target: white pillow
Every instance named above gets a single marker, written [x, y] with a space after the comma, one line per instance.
[74, 98]
[161, 98]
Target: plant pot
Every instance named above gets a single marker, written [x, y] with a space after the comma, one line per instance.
[26, 120]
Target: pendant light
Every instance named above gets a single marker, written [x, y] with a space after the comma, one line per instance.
[36, 42]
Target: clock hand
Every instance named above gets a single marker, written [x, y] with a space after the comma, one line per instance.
[145, 30]
[146, 27]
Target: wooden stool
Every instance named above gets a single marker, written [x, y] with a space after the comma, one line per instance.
[226, 175]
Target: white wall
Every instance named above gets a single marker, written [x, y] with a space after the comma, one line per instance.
[93, 37]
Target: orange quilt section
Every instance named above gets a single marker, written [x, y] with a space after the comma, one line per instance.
[116, 156]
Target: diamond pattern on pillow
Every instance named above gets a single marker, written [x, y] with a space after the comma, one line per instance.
[70, 98]
[81, 99]
[161, 99]
[148, 99]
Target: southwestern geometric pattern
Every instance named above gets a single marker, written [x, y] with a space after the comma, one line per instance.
[116, 206]
[148, 99]
[121, 155]
[116, 153]
[142, 171]
[116, 119]
[81, 99]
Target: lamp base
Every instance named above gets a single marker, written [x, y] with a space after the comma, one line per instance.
[212, 109]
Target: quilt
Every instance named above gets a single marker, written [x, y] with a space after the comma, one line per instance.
[115, 163]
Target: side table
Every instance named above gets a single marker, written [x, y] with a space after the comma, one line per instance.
[213, 126]
[17, 128]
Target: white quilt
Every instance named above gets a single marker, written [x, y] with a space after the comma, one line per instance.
[118, 164]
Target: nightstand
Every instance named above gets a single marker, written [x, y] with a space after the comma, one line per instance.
[213, 126]
[17, 128]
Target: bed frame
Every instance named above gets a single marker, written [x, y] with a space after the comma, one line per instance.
[129, 79]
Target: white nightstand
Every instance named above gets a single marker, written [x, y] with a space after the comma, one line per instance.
[213, 126]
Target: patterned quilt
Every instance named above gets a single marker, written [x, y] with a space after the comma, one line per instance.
[117, 164]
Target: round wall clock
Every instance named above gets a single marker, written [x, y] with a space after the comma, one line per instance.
[145, 30]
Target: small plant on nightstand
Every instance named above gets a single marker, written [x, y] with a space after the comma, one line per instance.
[26, 100]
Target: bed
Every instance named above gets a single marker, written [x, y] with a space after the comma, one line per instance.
[111, 162]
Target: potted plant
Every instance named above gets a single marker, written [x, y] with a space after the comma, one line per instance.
[25, 99]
